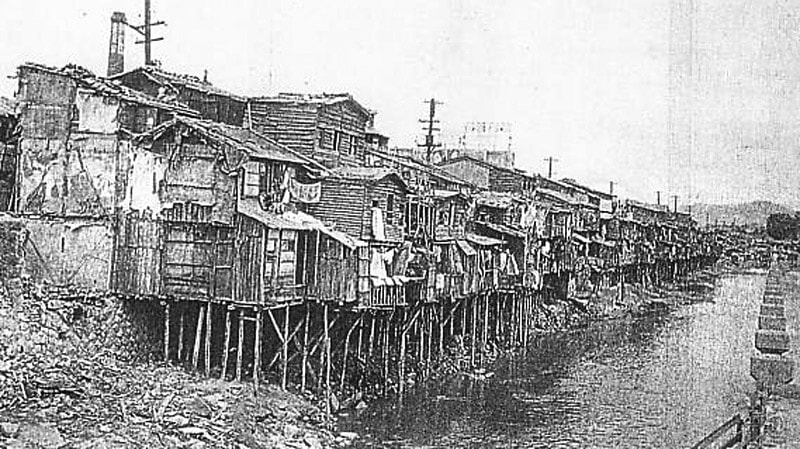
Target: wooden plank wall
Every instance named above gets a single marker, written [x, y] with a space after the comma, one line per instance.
[290, 124]
[137, 260]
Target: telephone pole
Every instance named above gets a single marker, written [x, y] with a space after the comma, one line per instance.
[658, 197]
[550, 161]
[611, 185]
[675, 203]
[146, 31]
[429, 129]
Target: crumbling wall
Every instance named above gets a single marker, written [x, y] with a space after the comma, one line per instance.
[12, 239]
[69, 251]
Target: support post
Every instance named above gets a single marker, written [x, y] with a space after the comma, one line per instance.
[227, 345]
[304, 368]
[181, 331]
[285, 353]
[198, 336]
[166, 330]
[327, 361]
[401, 375]
[207, 346]
[240, 347]
[257, 349]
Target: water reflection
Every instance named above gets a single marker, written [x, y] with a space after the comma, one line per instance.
[655, 381]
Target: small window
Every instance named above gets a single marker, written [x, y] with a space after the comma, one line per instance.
[337, 140]
[376, 203]
[390, 208]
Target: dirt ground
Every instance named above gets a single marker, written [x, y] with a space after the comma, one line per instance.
[79, 373]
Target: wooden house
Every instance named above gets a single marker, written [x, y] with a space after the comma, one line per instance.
[490, 177]
[196, 93]
[229, 222]
[329, 128]
[74, 150]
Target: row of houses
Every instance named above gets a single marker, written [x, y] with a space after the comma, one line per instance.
[156, 184]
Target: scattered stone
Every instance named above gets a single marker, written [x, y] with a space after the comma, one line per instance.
[361, 405]
[290, 431]
[40, 436]
[9, 429]
[313, 442]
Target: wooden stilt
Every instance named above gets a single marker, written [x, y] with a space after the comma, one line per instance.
[181, 330]
[285, 356]
[385, 351]
[207, 345]
[485, 336]
[240, 347]
[257, 349]
[371, 336]
[346, 351]
[166, 330]
[359, 351]
[440, 322]
[303, 368]
[226, 349]
[401, 376]
[429, 349]
[327, 361]
[474, 329]
[198, 336]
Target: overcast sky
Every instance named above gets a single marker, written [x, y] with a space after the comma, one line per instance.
[585, 81]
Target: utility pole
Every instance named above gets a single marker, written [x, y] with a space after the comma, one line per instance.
[550, 161]
[675, 203]
[146, 31]
[611, 185]
[429, 128]
[658, 197]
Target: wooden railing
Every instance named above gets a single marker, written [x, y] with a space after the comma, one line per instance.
[725, 436]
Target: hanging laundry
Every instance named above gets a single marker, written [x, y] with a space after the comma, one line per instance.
[305, 193]
[377, 267]
[378, 228]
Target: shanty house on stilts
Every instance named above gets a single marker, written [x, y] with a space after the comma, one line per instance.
[74, 155]
[9, 133]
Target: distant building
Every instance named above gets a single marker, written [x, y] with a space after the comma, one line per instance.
[486, 141]
[375, 140]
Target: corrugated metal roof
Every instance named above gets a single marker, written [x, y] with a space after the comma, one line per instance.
[503, 229]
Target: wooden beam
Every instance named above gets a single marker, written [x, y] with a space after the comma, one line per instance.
[240, 346]
[257, 348]
[305, 348]
[327, 360]
[285, 356]
[227, 345]
[166, 330]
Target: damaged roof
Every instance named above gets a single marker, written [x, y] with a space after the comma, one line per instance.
[416, 164]
[497, 200]
[369, 174]
[8, 108]
[254, 144]
[323, 99]
[176, 80]
[88, 80]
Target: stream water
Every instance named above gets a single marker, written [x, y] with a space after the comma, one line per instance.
[661, 380]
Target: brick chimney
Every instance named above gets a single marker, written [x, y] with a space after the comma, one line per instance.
[116, 44]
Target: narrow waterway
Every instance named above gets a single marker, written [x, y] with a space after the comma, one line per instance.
[663, 380]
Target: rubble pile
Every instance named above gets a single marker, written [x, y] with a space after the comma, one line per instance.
[82, 373]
